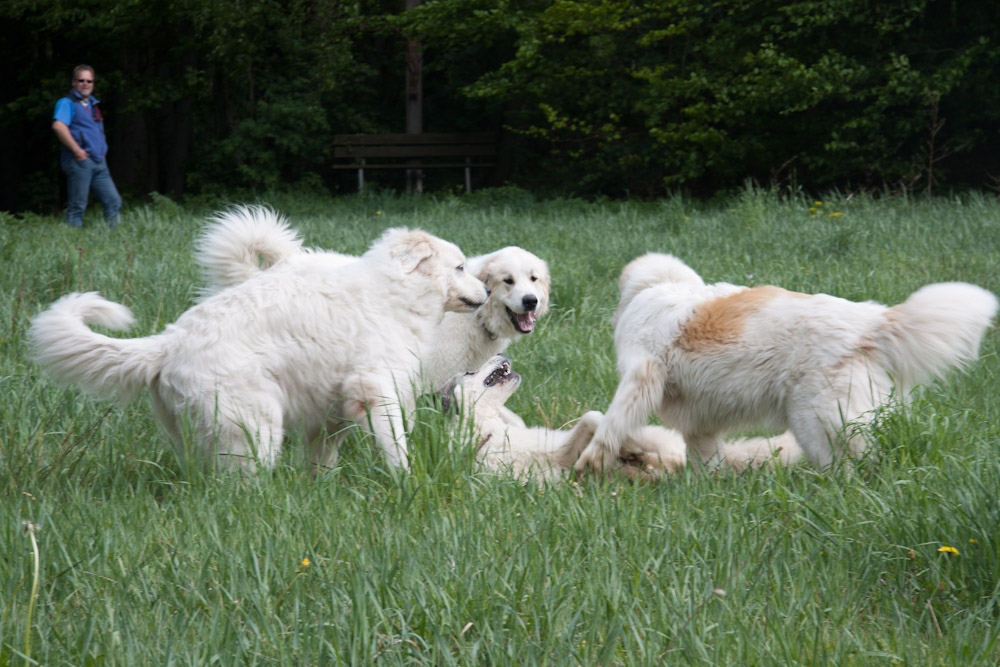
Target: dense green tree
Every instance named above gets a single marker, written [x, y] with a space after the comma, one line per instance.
[638, 95]
[599, 96]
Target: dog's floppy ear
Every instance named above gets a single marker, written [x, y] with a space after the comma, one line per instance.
[545, 279]
[446, 396]
[411, 249]
[482, 268]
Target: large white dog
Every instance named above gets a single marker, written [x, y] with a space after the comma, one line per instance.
[247, 241]
[303, 346]
[712, 358]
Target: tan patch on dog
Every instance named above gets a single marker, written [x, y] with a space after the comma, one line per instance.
[722, 321]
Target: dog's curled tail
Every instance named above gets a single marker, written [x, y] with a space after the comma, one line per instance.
[241, 242]
[938, 327]
[107, 367]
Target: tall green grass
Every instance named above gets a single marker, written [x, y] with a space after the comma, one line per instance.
[146, 561]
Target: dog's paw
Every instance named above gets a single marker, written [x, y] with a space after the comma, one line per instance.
[596, 458]
[653, 465]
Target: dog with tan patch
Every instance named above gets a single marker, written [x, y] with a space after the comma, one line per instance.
[708, 359]
[546, 454]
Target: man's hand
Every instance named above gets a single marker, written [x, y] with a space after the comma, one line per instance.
[67, 140]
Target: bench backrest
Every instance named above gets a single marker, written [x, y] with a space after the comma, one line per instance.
[414, 145]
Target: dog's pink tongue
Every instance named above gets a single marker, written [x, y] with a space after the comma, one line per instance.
[526, 322]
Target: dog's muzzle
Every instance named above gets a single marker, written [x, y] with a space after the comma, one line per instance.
[525, 322]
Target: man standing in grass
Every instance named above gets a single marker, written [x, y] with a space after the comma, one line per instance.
[79, 125]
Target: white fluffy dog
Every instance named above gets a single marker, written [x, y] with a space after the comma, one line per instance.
[298, 345]
[247, 241]
[712, 358]
[548, 454]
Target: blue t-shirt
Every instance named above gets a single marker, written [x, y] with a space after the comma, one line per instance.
[85, 123]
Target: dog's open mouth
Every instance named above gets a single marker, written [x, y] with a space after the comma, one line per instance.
[500, 374]
[523, 322]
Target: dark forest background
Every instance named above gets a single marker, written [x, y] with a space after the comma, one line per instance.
[609, 97]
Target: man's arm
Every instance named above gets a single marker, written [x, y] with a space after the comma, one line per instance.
[67, 140]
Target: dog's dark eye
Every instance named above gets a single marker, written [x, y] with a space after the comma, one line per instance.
[468, 373]
[460, 268]
[533, 278]
[509, 281]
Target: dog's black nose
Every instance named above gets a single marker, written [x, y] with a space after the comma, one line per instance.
[529, 302]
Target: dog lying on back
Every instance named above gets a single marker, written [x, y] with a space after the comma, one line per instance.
[248, 241]
[546, 454]
[541, 453]
[308, 345]
[708, 359]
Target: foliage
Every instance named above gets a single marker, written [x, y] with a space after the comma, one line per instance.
[612, 97]
[642, 95]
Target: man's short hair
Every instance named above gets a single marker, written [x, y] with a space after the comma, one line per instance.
[82, 68]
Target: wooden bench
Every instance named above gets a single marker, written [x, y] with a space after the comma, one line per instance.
[415, 151]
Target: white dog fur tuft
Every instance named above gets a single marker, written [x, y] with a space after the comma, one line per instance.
[938, 327]
[244, 244]
[103, 366]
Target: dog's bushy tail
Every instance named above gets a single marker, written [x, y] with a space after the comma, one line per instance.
[107, 367]
[649, 270]
[241, 242]
[938, 327]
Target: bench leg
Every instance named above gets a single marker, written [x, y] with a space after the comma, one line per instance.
[361, 176]
[468, 176]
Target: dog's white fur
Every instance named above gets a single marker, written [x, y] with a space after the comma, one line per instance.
[247, 241]
[548, 454]
[305, 344]
[712, 358]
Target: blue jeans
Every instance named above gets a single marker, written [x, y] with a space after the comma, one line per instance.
[82, 176]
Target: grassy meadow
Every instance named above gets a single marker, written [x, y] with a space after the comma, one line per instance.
[135, 558]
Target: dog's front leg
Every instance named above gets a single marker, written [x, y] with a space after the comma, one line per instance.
[510, 418]
[577, 439]
[638, 393]
[386, 422]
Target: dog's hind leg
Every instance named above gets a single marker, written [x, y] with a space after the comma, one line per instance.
[764, 451]
[383, 419]
[829, 424]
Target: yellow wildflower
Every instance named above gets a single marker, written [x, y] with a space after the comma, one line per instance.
[305, 562]
[949, 550]
[835, 214]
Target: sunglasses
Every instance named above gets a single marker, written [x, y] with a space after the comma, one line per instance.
[85, 81]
